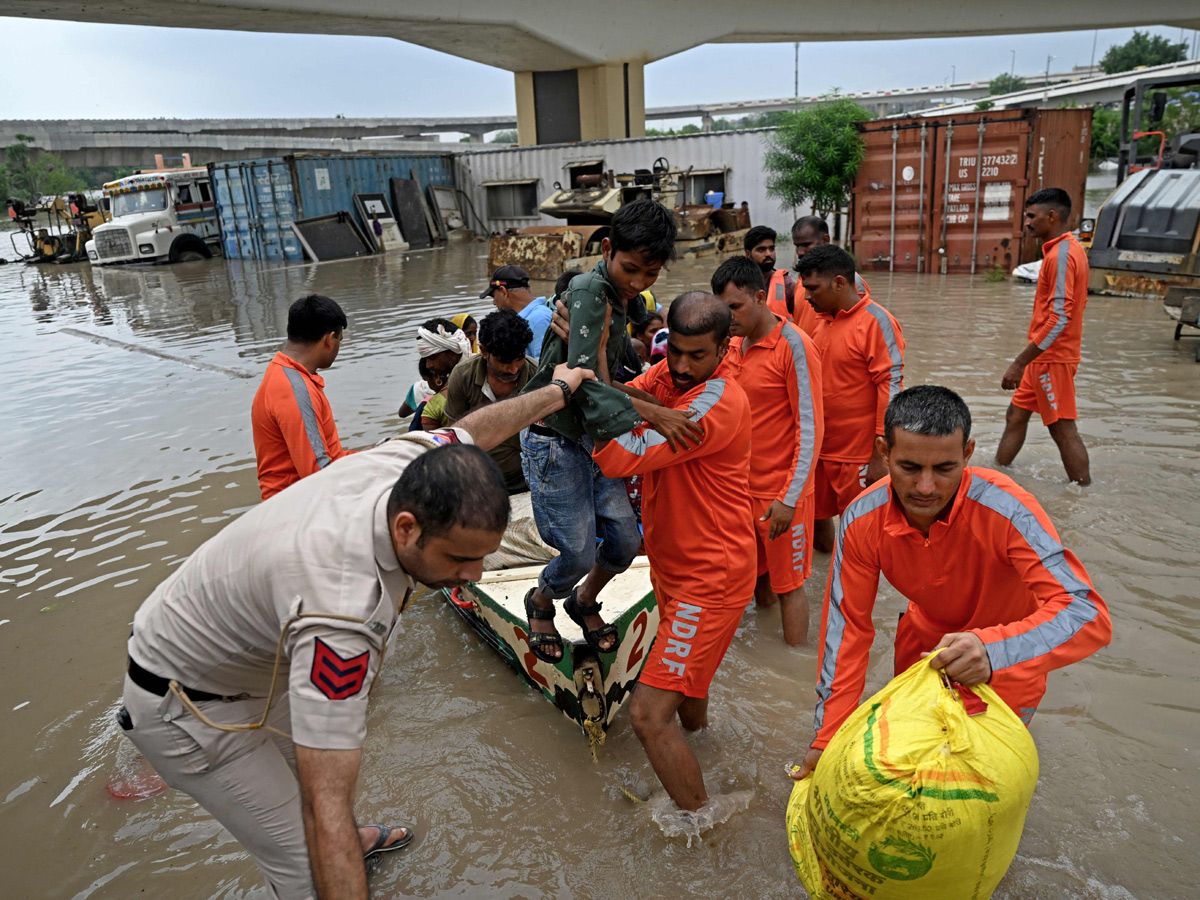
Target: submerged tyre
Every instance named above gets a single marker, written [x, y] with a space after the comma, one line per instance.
[188, 248]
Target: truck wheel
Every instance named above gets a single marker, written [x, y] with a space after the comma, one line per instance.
[189, 249]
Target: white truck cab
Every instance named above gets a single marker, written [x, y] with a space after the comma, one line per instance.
[163, 216]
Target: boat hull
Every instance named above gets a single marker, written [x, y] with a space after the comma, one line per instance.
[588, 687]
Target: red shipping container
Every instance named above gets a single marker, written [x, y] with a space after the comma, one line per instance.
[946, 193]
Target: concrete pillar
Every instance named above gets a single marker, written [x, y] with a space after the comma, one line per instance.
[612, 101]
[526, 117]
[586, 104]
[706, 122]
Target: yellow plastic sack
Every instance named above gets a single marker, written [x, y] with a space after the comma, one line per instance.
[914, 798]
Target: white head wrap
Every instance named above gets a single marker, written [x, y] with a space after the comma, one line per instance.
[431, 343]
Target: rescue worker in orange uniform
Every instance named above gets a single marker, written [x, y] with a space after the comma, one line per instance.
[1044, 372]
[862, 367]
[986, 578]
[759, 245]
[294, 431]
[699, 531]
[809, 232]
[779, 368]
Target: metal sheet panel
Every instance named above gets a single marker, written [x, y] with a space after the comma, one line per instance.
[979, 169]
[255, 204]
[327, 184]
[979, 195]
[740, 152]
[875, 238]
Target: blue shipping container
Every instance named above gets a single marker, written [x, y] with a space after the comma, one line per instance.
[257, 200]
[255, 208]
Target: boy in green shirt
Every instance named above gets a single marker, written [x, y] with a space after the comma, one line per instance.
[578, 511]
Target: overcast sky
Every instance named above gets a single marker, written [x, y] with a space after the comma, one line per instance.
[60, 70]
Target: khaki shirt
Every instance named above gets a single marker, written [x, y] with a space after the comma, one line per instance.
[318, 549]
[469, 390]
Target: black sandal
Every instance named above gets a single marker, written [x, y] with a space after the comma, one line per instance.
[577, 611]
[538, 640]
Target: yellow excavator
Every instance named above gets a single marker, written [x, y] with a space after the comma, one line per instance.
[69, 225]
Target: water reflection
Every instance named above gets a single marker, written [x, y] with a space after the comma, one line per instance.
[118, 465]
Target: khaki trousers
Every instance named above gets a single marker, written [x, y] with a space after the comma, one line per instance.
[246, 780]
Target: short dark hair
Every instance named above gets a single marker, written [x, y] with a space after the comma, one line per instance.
[699, 312]
[1055, 198]
[827, 259]
[458, 484]
[742, 272]
[816, 223]
[447, 324]
[927, 409]
[504, 335]
[646, 226]
[311, 318]
[756, 236]
[564, 281]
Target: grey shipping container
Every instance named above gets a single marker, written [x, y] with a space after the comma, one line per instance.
[258, 199]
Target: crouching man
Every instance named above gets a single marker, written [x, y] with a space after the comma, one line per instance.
[249, 668]
[986, 577]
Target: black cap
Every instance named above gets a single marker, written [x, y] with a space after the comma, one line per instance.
[506, 277]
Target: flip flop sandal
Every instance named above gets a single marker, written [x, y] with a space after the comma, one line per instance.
[577, 611]
[385, 832]
[539, 641]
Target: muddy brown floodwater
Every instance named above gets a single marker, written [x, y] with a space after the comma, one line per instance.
[118, 464]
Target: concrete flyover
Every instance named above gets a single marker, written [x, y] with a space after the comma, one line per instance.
[138, 149]
[579, 72]
[1084, 92]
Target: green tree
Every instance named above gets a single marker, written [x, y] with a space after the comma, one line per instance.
[815, 154]
[1182, 114]
[33, 173]
[504, 137]
[1005, 83]
[1106, 133]
[984, 105]
[1143, 49]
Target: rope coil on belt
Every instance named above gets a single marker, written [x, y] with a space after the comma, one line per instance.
[192, 708]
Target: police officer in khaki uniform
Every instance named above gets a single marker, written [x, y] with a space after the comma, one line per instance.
[249, 668]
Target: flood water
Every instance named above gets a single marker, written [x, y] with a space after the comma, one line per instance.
[118, 464]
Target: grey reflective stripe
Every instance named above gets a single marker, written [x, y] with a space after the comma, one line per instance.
[859, 284]
[893, 348]
[1060, 295]
[1027, 713]
[779, 290]
[309, 415]
[639, 444]
[1069, 620]
[808, 421]
[836, 624]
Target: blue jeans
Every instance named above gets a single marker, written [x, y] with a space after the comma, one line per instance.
[574, 505]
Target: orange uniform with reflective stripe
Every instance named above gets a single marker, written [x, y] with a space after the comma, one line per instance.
[862, 368]
[294, 431]
[994, 567]
[777, 294]
[1058, 303]
[781, 375]
[807, 319]
[696, 510]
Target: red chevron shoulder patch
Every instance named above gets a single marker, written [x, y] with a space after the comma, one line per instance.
[335, 677]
